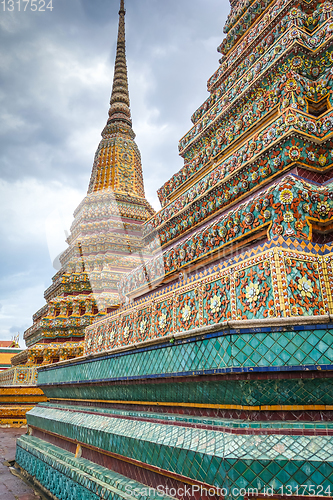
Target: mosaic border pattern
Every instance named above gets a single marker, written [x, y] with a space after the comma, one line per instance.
[277, 282]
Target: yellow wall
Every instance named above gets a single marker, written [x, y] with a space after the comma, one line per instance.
[6, 355]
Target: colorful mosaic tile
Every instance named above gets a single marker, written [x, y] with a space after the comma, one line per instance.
[214, 457]
[216, 301]
[275, 282]
[71, 478]
[227, 350]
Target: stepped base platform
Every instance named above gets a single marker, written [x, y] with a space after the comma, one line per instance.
[217, 412]
[66, 475]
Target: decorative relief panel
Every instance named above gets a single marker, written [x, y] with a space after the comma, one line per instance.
[254, 291]
[163, 317]
[305, 284]
[216, 301]
[276, 281]
[187, 310]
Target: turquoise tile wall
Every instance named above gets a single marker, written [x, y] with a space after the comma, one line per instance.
[237, 392]
[70, 478]
[215, 457]
[247, 350]
[191, 419]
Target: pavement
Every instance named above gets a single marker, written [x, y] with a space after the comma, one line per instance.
[12, 487]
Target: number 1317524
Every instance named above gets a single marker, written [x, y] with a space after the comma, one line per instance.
[24, 5]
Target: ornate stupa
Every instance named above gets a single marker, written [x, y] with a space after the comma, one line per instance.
[105, 242]
[214, 377]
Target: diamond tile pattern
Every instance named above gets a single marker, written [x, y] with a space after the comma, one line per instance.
[74, 478]
[245, 350]
[234, 392]
[212, 456]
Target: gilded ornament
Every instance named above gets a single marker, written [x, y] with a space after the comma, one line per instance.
[291, 119]
[215, 304]
[252, 292]
[126, 332]
[291, 85]
[222, 231]
[288, 216]
[323, 208]
[305, 287]
[286, 196]
[294, 152]
[322, 160]
[186, 312]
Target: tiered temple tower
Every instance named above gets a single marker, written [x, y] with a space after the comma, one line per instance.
[105, 243]
[214, 378]
[106, 236]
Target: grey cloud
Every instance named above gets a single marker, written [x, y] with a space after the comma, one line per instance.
[55, 83]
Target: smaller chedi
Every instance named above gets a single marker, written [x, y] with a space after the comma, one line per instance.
[105, 241]
[104, 244]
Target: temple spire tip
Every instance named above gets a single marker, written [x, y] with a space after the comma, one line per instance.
[120, 103]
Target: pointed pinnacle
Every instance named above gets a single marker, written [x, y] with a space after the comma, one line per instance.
[120, 110]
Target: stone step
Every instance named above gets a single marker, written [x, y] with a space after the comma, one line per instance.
[71, 478]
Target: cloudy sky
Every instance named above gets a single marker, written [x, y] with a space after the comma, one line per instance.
[56, 71]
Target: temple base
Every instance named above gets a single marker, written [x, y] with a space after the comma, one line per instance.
[69, 477]
[229, 411]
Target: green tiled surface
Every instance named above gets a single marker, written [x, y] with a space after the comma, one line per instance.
[212, 456]
[237, 392]
[70, 478]
[190, 419]
[251, 349]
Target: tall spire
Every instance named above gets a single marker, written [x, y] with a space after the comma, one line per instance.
[117, 163]
[120, 110]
